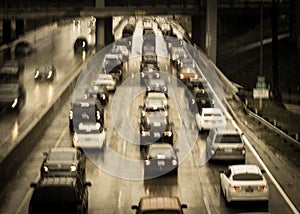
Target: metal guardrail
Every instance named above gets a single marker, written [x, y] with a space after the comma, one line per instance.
[232, 87]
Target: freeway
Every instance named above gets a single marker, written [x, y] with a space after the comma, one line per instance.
[115, 185]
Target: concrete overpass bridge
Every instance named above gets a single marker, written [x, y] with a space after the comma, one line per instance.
[204, 15]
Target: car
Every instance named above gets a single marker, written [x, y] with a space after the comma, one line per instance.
[80, 45]
[186, 63]
[23, 48]
[12, 97]
[156, 101]
[45, 72]
[63, 161]
[225, 144]
[90, 135]
[157, 85]
[148, 72]
[161, 159]
[176, 54]
[201, 99]
[11, 71]
[159, 204]
[106, 80]
[98, 92]
[59, 195]
[123, 49]
[85, 110]
[210, 118]
[244, 183]
[154, 127]
[187, 73]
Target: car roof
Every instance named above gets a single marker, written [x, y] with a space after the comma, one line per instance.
[211, 110]
[246, 168]
[160, 203]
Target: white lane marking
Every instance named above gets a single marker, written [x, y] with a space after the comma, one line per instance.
[26, 198]
[281, 191]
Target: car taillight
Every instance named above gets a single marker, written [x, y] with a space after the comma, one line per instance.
[262, 187]
[145, 133]
[103, 96]
[174, 162]
[45, 168]
[168, 133]
[73, 168]
[71, 114]
[98, 115]
[147, 162]
[236, 188]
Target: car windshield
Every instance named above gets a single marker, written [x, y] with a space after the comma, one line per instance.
[61, 156]
[228, 139]
[247, 177]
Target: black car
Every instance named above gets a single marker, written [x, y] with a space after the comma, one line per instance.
[148, 72]
[46, 72]
[85, 110]
[59, 195]
[23, 48]
[12, 97]
[161, 159]
[157, 85]
[80, 45]
[155, 126]
[98, 92]
[201, 99]
[63, 161]
[11, 72]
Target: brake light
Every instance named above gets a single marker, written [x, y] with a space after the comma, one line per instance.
[168, 133]
[262, 187]
[144, 133]
[45, 168]
[236, 188]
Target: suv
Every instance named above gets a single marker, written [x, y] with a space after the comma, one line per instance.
[225, 144]
[85, 110]
[159, 204]
[63, 161]
[59, 195]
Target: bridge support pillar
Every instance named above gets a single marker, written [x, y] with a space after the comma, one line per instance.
[20, 27]
[211, 29]
[104, 35]
[7, 31]
[198, 31]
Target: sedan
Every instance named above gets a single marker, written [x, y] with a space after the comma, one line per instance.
[63, 161]
[106, 80]
[155, 101]
[45, 72]
[161, 159]
[244, 183]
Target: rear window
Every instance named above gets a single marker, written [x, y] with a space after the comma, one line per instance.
[247, 177]
[61, 156]
[228, 139]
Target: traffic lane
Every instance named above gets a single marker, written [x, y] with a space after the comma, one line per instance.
[15, 197]
[58, 44]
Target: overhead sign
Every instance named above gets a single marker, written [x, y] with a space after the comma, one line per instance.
[262, 93]
[261, 83]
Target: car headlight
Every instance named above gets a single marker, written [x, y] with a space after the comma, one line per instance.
[103, 96]
[37, 73]
[14, 104]
[49, 74]
[181, 76]
[174, 162]
[147, 162]
[98, 115]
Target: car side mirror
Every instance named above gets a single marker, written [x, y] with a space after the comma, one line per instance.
[134, 207]
[88, 184]
[183, 206]
[263, 171]
[33, 185]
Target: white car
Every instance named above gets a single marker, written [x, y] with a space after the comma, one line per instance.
[210, 118]
[90, 135]
[106, 80]
[156, 101]
[244, 183]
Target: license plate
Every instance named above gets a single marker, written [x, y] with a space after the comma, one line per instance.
[161, 163]
[228, 150]
[156, 134]
[249, 189]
